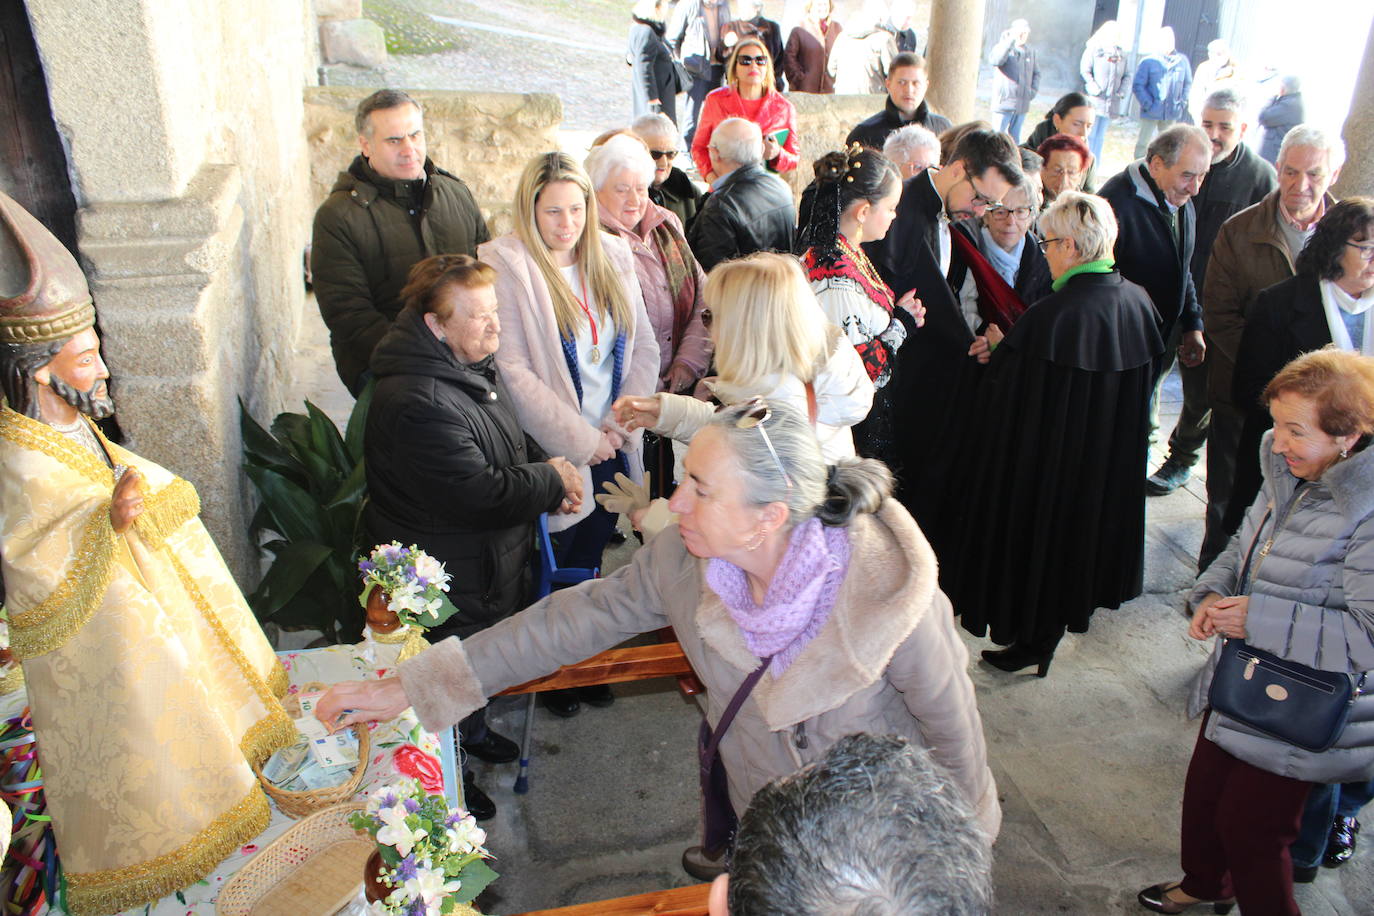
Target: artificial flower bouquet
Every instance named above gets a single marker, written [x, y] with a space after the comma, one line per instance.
[414, 582]
[432, 855]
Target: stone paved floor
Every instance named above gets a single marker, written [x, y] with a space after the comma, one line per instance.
[1089, 761]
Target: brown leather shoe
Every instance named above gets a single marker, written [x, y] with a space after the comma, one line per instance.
[1157, 898]
[701, 865]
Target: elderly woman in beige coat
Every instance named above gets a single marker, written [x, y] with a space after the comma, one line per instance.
[807, 579]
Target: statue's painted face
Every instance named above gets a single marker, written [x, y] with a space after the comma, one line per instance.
[77, 374]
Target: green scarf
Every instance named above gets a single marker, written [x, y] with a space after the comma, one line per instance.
[1104, 266]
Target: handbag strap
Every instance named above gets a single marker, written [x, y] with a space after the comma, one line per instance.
[811, 410]
[1247, 571]
[731, 708]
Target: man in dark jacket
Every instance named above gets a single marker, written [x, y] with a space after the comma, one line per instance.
[907, 83]
[933, 365]
[390, 209]
[448, 466]
[1157, 230]
[749, 208]
[1161, 86]
[1238, 179]
[1017, 77]
[1282, 114]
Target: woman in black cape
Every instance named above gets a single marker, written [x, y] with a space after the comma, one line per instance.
[1045, 520]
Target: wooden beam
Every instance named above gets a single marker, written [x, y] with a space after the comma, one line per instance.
[614, 666]
[680, 901]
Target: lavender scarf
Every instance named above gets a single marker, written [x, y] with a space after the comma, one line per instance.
[799, 599]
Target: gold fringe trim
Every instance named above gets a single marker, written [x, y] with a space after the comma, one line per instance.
[278, 681]
[275, 730]
[415, 644]
[394, 638]
[12, 680]
[101, 893]
[165, 511]
[76, 598]
[35, 435]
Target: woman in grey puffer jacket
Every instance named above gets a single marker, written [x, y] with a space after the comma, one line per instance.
[1310, 600]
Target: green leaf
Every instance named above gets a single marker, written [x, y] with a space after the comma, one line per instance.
[292, 430]
[390, 856]
[261, 449]
[352, 490]
[295, 564]
[446, 610]
[475, 880]
[357, 422]
[326, 441]
[295, 514]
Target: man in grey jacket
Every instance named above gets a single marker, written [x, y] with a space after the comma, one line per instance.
[1018, 77]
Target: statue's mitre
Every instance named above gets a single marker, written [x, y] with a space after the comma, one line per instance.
[43, 292]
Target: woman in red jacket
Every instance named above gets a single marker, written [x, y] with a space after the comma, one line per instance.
[749, 94]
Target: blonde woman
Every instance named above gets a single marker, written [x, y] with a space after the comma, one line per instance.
[748, 93]
[574, 337]
[773, 341]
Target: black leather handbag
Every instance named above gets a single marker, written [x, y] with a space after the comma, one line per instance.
[1297, 704]
[1302, 706]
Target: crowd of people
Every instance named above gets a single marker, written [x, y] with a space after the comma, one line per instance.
[924, 393]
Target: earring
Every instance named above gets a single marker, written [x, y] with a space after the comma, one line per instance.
[858, 235]
[755, 542]
[1345, 453]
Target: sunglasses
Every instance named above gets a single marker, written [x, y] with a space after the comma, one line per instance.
[755, 414]
[746, 60]
[663, 153]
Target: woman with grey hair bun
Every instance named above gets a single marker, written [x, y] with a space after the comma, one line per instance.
[1046, 519]
[804, 597]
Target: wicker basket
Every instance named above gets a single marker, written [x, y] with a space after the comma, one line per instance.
[299, 804]
[315, 867]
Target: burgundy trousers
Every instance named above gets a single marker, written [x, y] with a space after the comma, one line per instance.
[1238, 822]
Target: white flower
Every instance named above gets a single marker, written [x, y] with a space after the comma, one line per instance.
[431, 570]
[465, 836]
[396, 833]
[378, 908]
[429, 885]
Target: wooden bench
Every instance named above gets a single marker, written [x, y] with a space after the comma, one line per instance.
[680, 901]
[615, 666]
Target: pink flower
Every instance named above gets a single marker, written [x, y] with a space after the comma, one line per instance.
[415, 763]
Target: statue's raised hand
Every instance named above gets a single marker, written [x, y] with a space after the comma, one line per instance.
[127, 503]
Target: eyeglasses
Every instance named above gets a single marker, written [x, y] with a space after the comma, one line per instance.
[980, 198]
[746, 60]
[1021, 213]
[706, 319]
[755, 413]
[1045, 243]
[1060, 171]
[1366, 251]
[663, 153]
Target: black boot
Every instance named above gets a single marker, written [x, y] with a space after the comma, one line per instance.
[598, 695]
[562, 703]
[1018, 656]
[478, 803]
[1340, 845]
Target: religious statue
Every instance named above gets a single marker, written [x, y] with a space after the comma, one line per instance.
[151, 685]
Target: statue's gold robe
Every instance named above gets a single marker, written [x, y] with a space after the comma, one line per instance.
[151, 684]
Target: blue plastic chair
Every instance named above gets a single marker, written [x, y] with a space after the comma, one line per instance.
[547, 577]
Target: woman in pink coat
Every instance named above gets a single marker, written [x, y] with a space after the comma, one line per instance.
[749, 94]
[574, 337]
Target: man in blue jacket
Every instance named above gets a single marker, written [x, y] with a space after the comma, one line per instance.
[1161, 86]
[1157, 230]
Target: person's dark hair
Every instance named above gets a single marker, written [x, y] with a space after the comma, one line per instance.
[1350, 220]
[842, 180]
[907, 59]
[18, 363]
[430, 277]
[1068, 142]
[876, 827]
[981, 150]
[380, 100]
[1067, 103]
[951, 136]
[1031, 162]
[835, 494]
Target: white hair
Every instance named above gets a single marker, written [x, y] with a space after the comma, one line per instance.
[739, 144]
[616, 154]
[1313, 136]
[902, 145]
[655, 125]
[1085, 218]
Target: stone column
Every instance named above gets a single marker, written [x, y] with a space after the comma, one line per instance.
[956, 50]
[1357, 177]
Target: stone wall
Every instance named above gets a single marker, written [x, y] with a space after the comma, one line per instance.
[483, 138]
[823, 121]
[183, 121]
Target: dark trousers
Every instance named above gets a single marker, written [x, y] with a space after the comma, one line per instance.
[1190, 432]
[1238, 822]
[471, 728]
[696, 95]
[1223, 442]
[581, 546]
[1325, 803]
